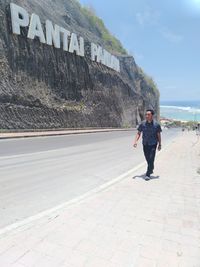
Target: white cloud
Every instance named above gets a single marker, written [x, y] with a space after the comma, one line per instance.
[148, 16]
[170, 87]
[138, 56]
[171, 36]
[140, 18]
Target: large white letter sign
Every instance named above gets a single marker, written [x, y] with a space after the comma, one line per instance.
[74, 46]
[59, 36]
[107, 58]
[20, 18]
[100, 56]
[82, 47]
[35, 29]
[65, 36]
[94, 51]
[52, 34]
[118, 65]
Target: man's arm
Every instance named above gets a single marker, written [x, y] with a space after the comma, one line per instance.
[159, 141]
[137, 138]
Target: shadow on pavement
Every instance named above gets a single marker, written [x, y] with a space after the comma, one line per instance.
[143, 177]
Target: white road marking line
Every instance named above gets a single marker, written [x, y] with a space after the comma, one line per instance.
[70, 202]
[57, 135]
[33, 154]
[40, 152]
[75, 200]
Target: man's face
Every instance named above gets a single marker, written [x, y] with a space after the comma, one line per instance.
[149, 116]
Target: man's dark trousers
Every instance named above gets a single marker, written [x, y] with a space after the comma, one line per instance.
[150, 152]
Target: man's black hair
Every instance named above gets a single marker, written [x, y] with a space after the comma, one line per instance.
[150, 110]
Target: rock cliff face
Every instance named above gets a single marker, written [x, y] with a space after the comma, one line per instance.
[45, 87]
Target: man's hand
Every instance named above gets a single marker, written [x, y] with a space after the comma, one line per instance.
[136, 139]
[159, 147]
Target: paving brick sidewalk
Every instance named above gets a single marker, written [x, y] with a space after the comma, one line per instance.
[132, 223]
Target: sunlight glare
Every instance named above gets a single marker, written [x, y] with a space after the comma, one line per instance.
[192, 7]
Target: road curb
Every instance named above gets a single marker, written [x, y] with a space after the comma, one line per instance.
[57, 133]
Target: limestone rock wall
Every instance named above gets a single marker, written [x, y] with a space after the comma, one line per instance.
[45, 87]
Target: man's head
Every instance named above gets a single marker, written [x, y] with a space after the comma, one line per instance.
[149, 114]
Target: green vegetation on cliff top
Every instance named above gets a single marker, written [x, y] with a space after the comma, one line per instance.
[149, 80]
[111, 42]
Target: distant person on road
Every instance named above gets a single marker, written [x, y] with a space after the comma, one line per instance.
[151, 133]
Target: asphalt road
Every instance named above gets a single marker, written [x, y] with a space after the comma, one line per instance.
[40, 173]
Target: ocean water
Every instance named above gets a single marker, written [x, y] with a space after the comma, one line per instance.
[181, 110]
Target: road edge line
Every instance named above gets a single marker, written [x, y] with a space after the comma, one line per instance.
[75, 200]
[71, 202]
[28, 135]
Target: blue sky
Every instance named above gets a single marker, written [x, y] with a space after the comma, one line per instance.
[163, 36]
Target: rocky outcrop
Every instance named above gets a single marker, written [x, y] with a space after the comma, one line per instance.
[45, 87]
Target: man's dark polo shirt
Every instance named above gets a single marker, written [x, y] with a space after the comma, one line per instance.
[150, 132]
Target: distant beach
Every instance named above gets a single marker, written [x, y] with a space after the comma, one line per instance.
[181, 110]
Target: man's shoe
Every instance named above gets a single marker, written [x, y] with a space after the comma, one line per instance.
[147, 177]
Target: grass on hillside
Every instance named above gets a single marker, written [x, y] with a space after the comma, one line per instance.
[149, 80]
[111, 42]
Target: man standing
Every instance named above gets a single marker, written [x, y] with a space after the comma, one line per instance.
[151, 133]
